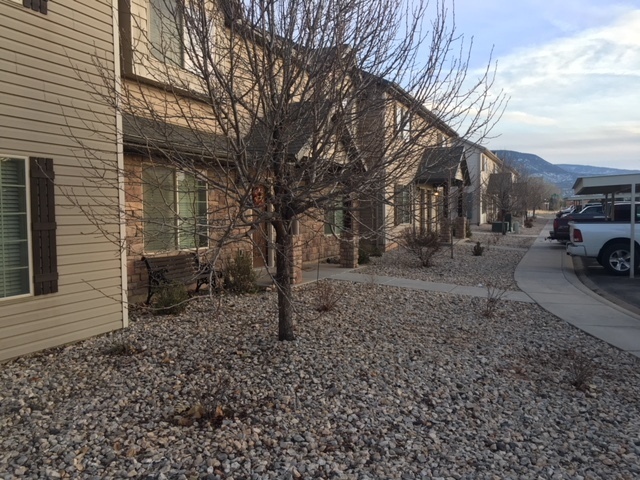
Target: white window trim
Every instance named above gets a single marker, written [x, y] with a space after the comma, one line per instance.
[29, 233]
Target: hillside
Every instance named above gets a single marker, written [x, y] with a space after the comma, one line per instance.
[563, 175]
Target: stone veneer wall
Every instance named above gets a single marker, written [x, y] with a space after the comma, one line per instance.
[137, 275]
[461, 227]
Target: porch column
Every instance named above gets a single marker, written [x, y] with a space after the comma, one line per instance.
[461, 227]
[349, 239]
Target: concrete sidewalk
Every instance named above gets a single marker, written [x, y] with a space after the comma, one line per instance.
[312, 273]
[546, 274]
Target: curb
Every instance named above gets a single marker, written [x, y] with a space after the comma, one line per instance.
[580, 270]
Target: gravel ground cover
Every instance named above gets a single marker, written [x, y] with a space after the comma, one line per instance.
[390, 383]
[494, 268]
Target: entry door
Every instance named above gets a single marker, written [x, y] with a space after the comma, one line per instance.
[261, 245]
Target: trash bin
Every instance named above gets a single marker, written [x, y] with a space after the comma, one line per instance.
[499, 227]
[516, 227]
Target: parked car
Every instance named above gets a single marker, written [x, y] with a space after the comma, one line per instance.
[608, 242]
[564, 211]
[590, 213]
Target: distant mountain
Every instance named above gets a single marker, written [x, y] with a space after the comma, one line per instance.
[589, 171]
[563, 176]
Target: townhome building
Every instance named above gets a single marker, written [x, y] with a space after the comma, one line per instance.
[62, 275]
[481, 207]
[140, 129]
[428, 168]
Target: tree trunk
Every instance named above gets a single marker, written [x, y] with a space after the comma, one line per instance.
[283, 279]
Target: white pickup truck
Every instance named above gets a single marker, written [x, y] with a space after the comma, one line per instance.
[608, 242]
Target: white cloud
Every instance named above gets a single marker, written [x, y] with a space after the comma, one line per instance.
[569, 91]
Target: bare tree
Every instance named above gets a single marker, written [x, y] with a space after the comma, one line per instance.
[271, 106]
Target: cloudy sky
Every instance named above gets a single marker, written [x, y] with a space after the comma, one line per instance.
[572, 71]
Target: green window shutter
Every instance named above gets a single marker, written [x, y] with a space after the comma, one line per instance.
[43, 226]
[159, 209]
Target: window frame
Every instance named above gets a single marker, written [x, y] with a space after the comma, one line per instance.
[403, 122]
[176, 228]
[157, 52]
[403, 204]
[331, 227]
[27, 172]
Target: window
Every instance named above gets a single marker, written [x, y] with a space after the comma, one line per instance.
[174, 209]
[403, 122]
[21, 224]
[484, 163]
[37, 5]
[335, 218]
[402, 200]
[14, 234]
[165, 31]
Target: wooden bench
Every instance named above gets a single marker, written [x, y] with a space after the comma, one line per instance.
[184, 268]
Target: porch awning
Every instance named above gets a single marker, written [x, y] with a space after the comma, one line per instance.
[443, 165]
[146, 135]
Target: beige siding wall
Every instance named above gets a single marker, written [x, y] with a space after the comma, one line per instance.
[46, 110]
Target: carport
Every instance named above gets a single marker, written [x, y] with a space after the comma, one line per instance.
[613, 185]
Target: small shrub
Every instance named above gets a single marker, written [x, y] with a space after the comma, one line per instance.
[326, 296]
[364, 256]
[581, 370]
[239, 276]
[494, 239]
[209, 406]
[528, 223]
[422, 245]
[478, 250]
[120, 348]
[494, 295]
[171, 299]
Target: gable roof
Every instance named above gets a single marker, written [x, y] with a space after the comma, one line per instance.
[406, 98]
[304, 119]
[441, 165]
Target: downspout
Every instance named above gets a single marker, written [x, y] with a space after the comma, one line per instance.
[117, 76]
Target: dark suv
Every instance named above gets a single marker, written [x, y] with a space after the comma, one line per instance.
[592, 212]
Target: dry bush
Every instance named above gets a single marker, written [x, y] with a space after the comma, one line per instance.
[208, 406]
[494, 296]
[422, 245]
[326, 296]
[581, 369]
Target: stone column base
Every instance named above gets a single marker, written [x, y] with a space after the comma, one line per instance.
[349, 250]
